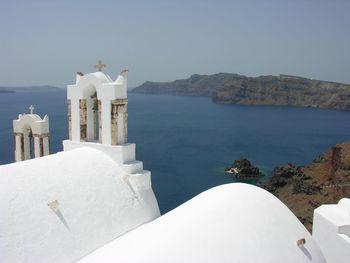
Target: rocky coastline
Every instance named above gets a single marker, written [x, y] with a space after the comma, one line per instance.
[282, 90]
[303, 188]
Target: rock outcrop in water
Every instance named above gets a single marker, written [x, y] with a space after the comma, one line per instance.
[263, 90]
[243, 168]
[325, 181]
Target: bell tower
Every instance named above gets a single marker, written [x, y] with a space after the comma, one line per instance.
[98, 119]
[31, 136]
[97, 108]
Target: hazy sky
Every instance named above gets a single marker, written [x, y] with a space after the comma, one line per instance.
[46, 41]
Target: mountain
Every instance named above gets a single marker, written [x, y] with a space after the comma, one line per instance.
[325, 181]
[7, 91]
[264, 90]
[28, 88]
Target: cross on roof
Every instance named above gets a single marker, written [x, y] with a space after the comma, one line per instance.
[99, 66]
[31, 109]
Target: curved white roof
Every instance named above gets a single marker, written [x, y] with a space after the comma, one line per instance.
[102, 76]
[231, 223]
[95, 205]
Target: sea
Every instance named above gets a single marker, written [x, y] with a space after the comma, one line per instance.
[187, 142]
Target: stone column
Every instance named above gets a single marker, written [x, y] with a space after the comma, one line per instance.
[41, 145]
[26, 144]
[37, 150]
[94, 120]
[46, 145]
[99, 122]
[19, 147]
[125, 124]
[114, 124]
[119, 121]
[83, 120]
[69, 113]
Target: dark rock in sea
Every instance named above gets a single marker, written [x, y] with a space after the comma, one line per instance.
[243, 168]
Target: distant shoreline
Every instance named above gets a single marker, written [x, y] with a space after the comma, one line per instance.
[5, 89]
[282, 90]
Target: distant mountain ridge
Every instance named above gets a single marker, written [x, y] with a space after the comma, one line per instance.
[263, 90]
[5, 89]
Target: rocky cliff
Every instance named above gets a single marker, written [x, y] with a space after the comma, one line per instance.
[263, 90]
[325, 181]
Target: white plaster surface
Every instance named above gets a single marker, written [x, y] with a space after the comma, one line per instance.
[237, 223]
[96, 205]
[331, 230]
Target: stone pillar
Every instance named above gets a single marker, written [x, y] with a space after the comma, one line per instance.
[99, 122]
[125, 125]
[69, 113]
[94, 120]
[119, 121]
[46, 145]
[37, 150]
[114, 124]
[26, 144]
[83, 120]
[121, 130]
[19, 147]
[90, 120]
[41, 145]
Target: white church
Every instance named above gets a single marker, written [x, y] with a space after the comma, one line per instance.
[93, 202]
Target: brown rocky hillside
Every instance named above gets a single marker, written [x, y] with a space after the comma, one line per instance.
[325, 181]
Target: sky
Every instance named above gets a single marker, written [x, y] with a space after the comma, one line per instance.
[45, 42]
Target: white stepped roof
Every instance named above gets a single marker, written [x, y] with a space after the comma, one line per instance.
[231, 223]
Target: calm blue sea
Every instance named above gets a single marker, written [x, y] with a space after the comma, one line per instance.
[188, 141]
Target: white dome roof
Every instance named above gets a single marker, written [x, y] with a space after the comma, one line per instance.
[230, 223]
[95, 206]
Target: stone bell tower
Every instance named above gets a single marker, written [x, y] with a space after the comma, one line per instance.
[31, 136]
[97, 108]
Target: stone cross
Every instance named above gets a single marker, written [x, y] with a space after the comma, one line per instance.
[31, 108]
[99, 66]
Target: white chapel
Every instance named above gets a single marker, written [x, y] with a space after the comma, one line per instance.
[93, 202]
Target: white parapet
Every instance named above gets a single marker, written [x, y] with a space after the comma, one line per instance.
[119, 153]
[331, 230]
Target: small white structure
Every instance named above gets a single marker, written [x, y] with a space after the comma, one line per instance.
[231, 223]
[30, 127]
[331, 231]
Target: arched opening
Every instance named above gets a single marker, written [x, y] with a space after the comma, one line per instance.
[90, 116]
[28, 143]
[96, 117]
